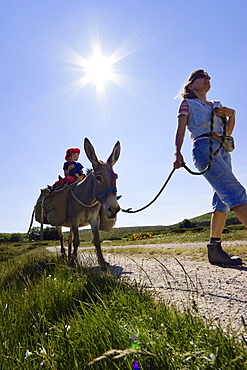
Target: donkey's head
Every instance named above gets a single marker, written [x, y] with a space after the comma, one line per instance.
[104, 178]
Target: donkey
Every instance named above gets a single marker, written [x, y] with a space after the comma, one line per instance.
[92, 201]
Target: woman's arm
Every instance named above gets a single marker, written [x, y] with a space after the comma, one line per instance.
[227, 112]
[179, 139]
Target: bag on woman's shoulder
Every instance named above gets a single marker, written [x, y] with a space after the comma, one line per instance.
[229, 144]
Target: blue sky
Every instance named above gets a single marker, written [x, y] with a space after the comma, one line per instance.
[154, 46]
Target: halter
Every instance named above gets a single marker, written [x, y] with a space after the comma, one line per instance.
[99, 197]
[80, 202]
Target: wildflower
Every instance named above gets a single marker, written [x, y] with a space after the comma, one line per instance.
[42, 351]
[134, 344]
[28, 354]
[67, 327]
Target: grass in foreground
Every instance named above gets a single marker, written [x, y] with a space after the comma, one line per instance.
[12, 250]
[56, 316]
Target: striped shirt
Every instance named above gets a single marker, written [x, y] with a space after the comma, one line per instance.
[184, 108]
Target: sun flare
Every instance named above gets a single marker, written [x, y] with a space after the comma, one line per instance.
[99, 70]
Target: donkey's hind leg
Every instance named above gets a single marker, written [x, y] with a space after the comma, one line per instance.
[70, 239]
[60, 236]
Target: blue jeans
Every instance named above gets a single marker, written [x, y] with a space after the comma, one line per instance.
[228, 192]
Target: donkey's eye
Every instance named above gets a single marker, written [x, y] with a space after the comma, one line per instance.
[98, 178]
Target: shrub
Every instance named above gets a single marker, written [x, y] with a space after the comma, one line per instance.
[16, 237]
[34, 233]
[140, 236]
[187, 224]
[4, 237]
[12, 238]
[49, 233]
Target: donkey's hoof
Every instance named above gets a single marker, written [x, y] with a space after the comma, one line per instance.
[73, 256]
[104, 265]
[63, 253]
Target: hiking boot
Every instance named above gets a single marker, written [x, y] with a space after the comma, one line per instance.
[217, 256]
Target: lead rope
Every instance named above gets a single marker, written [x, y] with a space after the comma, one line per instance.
[211, 155]
[128, 210]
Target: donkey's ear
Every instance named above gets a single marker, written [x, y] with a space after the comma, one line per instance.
[114, 154]
[90, 152]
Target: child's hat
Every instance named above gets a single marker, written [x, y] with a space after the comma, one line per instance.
[70, 151]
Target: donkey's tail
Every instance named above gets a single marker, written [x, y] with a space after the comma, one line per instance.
[31, 223]
[41, 221]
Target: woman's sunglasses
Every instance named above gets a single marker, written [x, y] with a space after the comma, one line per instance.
[200, 75]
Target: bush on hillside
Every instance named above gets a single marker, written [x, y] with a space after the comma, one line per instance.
[140, 236]
[11, 238]
[186, 224]
[49, 233]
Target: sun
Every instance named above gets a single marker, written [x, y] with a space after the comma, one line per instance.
[99, 70]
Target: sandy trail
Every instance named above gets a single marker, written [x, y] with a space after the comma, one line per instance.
[217, 293]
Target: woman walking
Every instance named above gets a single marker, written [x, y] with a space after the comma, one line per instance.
[194, 113]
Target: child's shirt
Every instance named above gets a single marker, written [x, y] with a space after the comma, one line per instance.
[76, 170]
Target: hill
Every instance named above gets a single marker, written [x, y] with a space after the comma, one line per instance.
[204, 220]
[197, 223]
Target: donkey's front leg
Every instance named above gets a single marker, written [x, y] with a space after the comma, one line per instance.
[76, 239]
[96, 240]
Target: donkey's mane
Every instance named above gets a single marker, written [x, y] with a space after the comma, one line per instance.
[88, 170]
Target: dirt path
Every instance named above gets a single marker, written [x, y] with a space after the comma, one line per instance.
[218, 293]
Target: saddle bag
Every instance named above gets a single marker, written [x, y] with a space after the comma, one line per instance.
[51, 208]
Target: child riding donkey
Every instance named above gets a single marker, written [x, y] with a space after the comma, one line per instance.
[72, 169]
